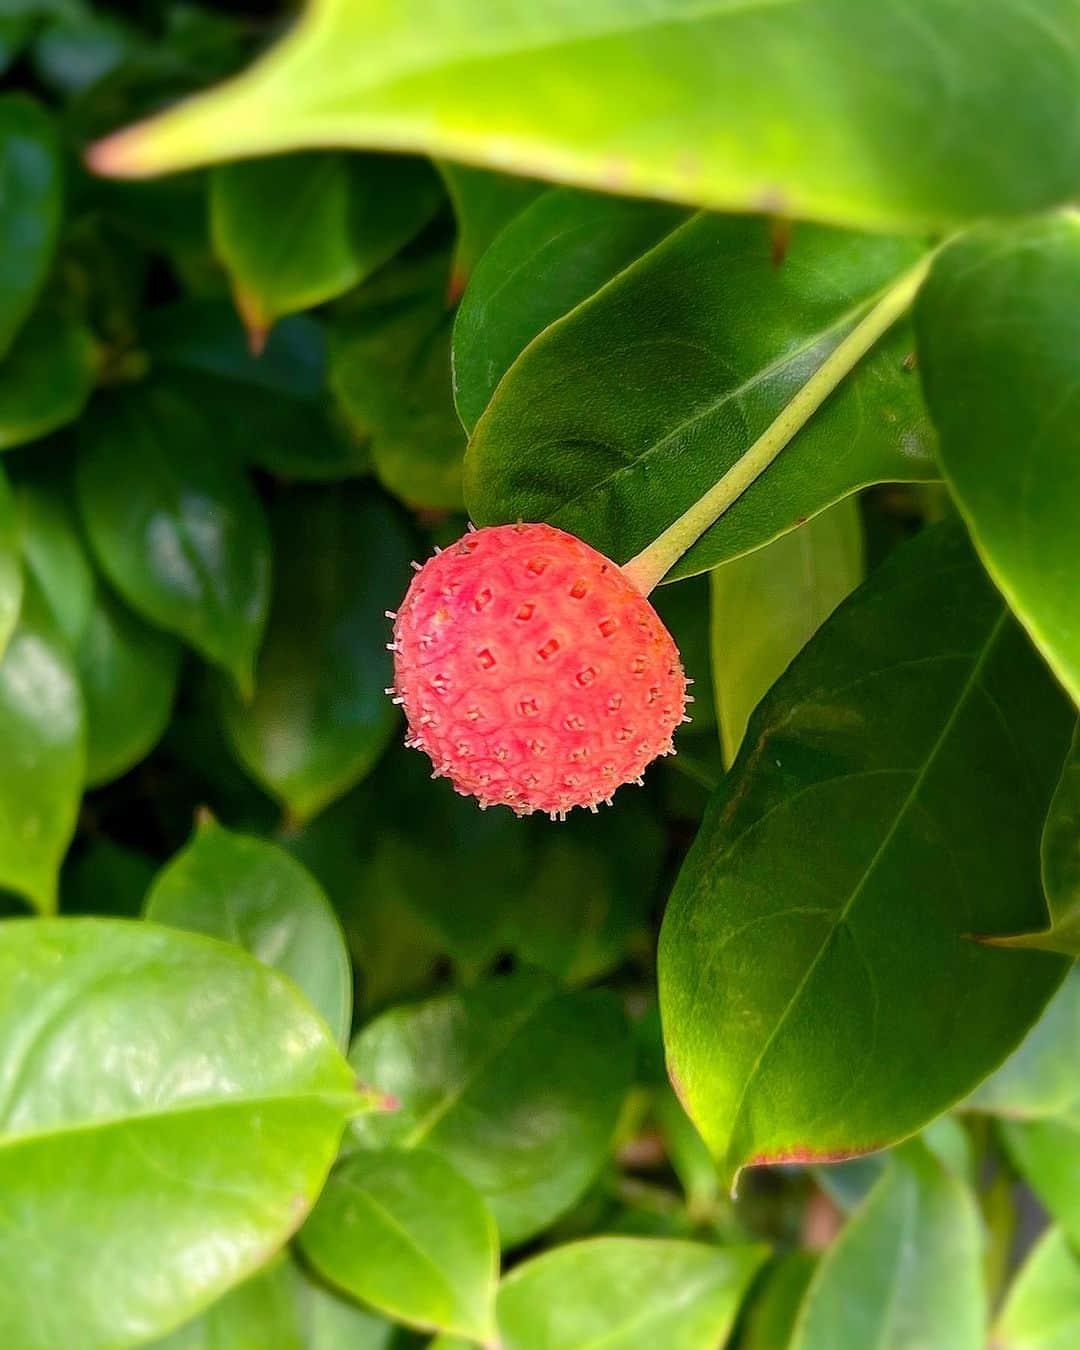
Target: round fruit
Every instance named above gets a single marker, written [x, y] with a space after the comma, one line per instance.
[532, 672]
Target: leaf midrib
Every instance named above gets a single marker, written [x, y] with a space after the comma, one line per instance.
[330, 1097]
[842, 915]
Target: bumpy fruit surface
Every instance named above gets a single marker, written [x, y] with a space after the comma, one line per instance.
[532, 672]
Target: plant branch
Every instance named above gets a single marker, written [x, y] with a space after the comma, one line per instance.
[652, 564]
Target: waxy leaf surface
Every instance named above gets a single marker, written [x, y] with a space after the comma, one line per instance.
[999, 351]
[623, 413]
[823, 990]
[179, 1097]
[830, 109]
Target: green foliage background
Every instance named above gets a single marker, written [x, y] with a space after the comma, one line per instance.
[300, 1051]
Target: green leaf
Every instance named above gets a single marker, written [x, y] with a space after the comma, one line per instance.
[1047, 1152]
[770, 1319]
[260, 1314]
[177, 1096]
[1042, 1311]
[622, 414]
[630, 1293]
[998, 336]
[828, 109]
[470, 1068]
[175, 524]
[251, 892]
[390, 372]
[320, 717]
[403, 1231]
[1040, 1078]
[42, 731]
[906, 1269]
[11, 576]
[1060, 866]
[806, 971]
[103, 877]
[46, 377]
[483, 203]
[127, 671]
[30, 209]
[768, 604]
[297, 230]
[556, 254]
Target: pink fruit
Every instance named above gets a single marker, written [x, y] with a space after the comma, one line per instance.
[532, 672]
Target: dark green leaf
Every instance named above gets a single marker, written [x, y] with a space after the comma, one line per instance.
[906, 1269]
[768, 604]
[296, 230]
[390, 371]
[484, 203]
[403, 1231]
[104, 877]
[770, 1319]
[807, 971]
[177, 1096]
[1040, 1078]
[251, 892]
[620, 416]
[1047, 1152]
[1043, 1308]
[30, 206]
[1061, 865]
[11, 577]
[320, 716]
[127, 670]
[175, 524]
[634, 1293]
[42, 767]
[832, 109]
[517, 1085]
[556, 254]
[998, 340]
[46, 377]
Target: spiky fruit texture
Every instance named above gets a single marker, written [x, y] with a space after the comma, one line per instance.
[532, 672]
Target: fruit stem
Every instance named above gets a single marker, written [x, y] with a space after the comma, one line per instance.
[651, 565]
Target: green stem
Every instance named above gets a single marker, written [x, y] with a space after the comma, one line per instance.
[653, 563]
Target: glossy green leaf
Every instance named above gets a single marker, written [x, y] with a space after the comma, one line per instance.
[403, 1231]
[11, 576]
[483, 203]
[1043, 1308]
[320, 717]
[46, 377]
[556, 254]
[297, 230]
[128, 674]
[177, 1096]
[998, 336]
[175, 524]
[831, 109]
[251, 892]
[1061, 865]
[770, 1318]
[768, 604]
[43, 764]
[127, 671]
[31, 175]
[1047, 1152]
[621, 415]
[906, 1269]
[259, 1314]
[390, 372]
[517, 1085]
[1040, 1078]
[282, 1307]
[626, 1293]
[806, 971]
